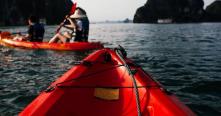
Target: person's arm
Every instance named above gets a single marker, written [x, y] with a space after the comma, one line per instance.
[29, 34]
[72, 25]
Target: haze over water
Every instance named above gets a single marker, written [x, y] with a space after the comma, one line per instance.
[185, 58]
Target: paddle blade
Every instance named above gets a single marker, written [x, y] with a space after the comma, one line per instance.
[73, 8]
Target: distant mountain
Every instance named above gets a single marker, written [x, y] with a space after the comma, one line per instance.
[113, 21]
[213, 12]
[177, 11]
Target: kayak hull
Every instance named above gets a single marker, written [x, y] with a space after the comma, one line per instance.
[76, 46]
[102, 86]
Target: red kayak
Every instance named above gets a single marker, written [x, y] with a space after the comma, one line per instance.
[76, 46]
[106, 83]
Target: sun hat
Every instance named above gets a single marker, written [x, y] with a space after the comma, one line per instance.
[78, 14]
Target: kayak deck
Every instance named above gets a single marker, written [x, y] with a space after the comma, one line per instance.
[102, 86]
[76, 46]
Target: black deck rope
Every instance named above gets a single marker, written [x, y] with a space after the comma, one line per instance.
[135, 87]
[121, 55]
[51, 88]
[88, 75]
[107, 87]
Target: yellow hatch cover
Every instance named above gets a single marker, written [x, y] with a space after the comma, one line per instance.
[107, 93]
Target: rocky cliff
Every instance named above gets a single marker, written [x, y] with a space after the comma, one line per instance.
[213, 12]
[16, 12]
[177, 11]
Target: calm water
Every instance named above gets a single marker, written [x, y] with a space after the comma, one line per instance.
[185, 58]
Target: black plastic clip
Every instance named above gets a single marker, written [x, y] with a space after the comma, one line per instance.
[49, 89]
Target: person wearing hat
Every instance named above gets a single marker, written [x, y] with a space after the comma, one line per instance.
[81, 17]
[76, 30]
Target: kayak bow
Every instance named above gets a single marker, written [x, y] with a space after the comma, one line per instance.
[101, 86]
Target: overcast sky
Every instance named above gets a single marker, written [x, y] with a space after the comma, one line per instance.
[101, 10]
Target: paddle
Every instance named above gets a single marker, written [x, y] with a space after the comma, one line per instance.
[19, 33]
[72, 11]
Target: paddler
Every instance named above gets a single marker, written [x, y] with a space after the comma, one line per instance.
[76, 30]
[35, 31]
